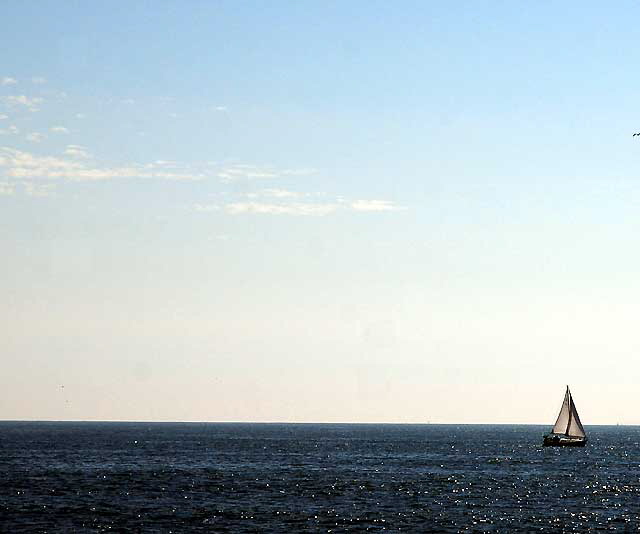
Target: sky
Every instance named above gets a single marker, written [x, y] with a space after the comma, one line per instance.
[309, 211]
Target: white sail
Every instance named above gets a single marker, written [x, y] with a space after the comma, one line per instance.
[574, 428]
[568, 422]
[563, 417]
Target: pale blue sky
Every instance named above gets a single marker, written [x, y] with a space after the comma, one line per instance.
[305, 211]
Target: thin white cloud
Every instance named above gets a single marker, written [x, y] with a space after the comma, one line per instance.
[16, 101]
[220, 108]
[38, 190]
[298, 172]
[7, 188]
[283, 202]
[239, 172]
[24, 165]
[375, 205]
[35, 137]
[162, 164]
[80, 116]
[283, 194]
[10, 130]
[38, 80]
[77, 164]
[297, 208]
[206, 207]
[19, 164]
[3, 116]
[77, 151]
[236, 172]
[7, 80]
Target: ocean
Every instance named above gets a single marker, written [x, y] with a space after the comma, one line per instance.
[211, 477]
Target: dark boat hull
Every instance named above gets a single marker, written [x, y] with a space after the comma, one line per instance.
[554, 440]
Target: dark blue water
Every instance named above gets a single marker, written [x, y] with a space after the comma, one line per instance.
[98, 477]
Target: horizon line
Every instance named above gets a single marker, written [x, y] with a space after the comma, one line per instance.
[426, 423]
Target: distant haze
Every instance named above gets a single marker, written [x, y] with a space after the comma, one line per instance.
[301, 211]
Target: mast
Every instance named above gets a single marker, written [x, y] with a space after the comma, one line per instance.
[570, 405]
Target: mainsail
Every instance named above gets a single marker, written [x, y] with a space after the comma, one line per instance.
[568, 422]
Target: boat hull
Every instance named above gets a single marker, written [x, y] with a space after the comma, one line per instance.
[554, 440]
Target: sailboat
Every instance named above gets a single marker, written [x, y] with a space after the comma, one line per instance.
[568, 430]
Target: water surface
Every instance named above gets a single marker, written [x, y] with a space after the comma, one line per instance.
[178, 477]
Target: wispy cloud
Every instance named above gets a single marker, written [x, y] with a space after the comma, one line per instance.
[308, 208]
[24, 165]
[206, 207]
[233, 173]
[10, 130]
[297, 203]
[267, 184]
[238, 172]
[16, 101]
[298, 172]
[375, 205]
[77, 151]
[7, 188]
[76, 164]
[35, 137]
[38, 190]
[296, 208]
[19, 164]
[279, 193]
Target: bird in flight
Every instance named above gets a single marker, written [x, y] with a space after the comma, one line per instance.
[638, 134]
